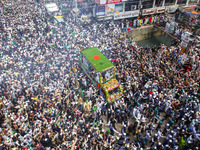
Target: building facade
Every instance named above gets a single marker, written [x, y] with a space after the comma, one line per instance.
[121, 9]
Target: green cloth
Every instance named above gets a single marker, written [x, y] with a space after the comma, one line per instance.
[4, 9]
[182, 143]
[108, 132]
[95, 108]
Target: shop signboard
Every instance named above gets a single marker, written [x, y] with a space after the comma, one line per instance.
[188, 8]
[103, 2]
[149, 11]
[113, 1]
[127, 14]
[160, 9]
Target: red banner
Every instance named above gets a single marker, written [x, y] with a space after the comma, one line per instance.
[103, 2]
[113, 1]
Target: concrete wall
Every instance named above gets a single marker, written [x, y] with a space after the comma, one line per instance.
[145, 32]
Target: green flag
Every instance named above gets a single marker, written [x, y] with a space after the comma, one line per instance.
[58, 114]
[4, 9]
[182, 143]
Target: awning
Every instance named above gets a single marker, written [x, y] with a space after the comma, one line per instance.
[76, 10]
[194, 12]
[52, 7]
[59, 18]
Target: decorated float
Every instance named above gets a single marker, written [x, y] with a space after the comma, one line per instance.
[101, 72]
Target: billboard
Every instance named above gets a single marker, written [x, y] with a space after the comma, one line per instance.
[119, 7]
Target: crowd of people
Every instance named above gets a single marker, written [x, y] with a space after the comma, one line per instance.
[47, 102]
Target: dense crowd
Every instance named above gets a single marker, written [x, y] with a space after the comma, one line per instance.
[47, 102]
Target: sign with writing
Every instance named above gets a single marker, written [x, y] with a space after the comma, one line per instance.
[127, 14]
[160, 9]
[149, 11]
[186, 8]
[113, 1]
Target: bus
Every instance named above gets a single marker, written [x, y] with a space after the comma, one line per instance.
[101, 72]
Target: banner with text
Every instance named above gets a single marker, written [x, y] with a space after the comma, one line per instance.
[113, 1]
[149, 11]
[127, 14]
[152, 11]
[160, 10]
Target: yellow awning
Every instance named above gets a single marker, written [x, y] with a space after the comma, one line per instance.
[57, 17]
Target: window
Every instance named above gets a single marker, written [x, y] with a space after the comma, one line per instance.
[158, 3]
[147, 4]
[114, 91]
[169, 2]
[131, 5]
[183, 2]
[193, 1]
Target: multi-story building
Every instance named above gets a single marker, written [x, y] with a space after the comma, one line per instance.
[120, 9]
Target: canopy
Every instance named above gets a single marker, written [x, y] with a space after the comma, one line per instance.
[194, 12]
[76, 10]
[52, 7]
[59, 18]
